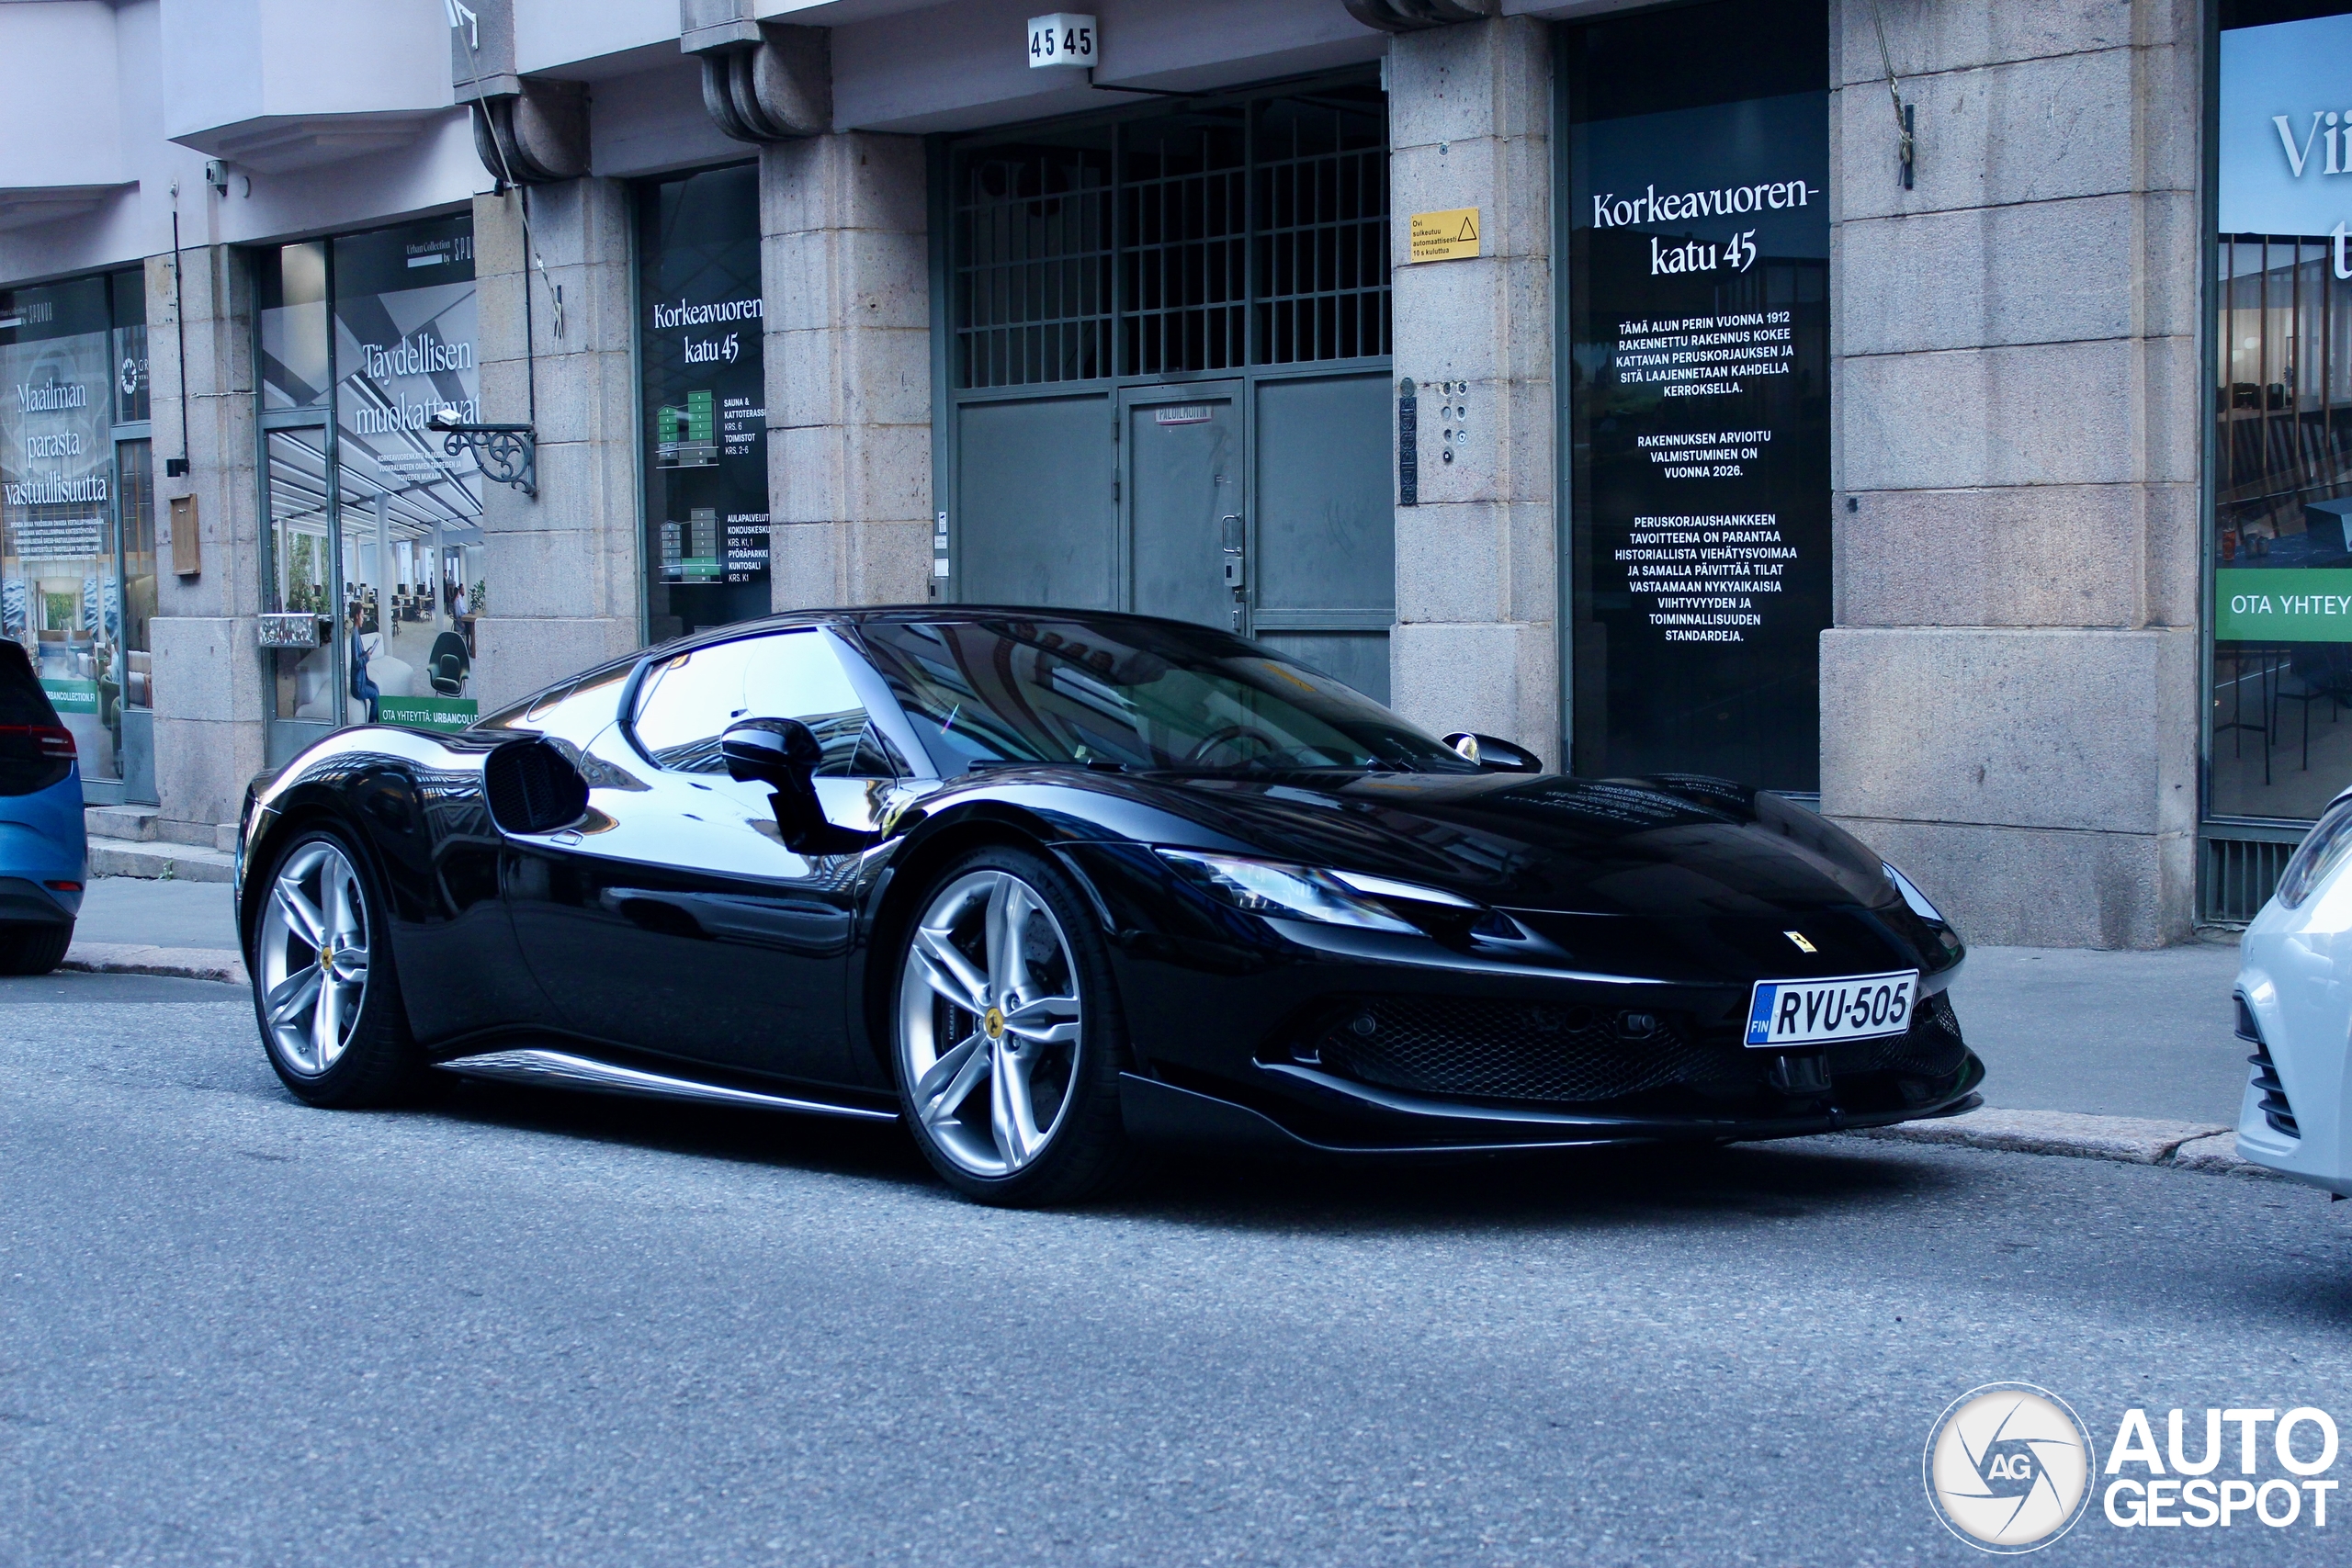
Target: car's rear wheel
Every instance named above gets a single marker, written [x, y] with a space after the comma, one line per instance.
[1009, 1035]
[323, 990]
[28, 949]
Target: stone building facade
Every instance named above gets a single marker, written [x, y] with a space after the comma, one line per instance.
[998, 307]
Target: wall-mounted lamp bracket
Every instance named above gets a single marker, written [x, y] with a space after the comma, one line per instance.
[507, 453]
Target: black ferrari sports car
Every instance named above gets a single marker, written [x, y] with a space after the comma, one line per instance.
[1048, 885]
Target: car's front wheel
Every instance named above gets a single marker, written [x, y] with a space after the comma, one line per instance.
[1009, 1035]
[330, 1011]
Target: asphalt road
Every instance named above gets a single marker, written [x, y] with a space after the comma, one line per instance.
[520, 1328]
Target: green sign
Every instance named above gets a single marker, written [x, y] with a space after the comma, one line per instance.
[72, 696]
[426, 713]
[2282, 605]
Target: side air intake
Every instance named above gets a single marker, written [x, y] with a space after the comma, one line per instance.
[2275, 1108]
[532, 787]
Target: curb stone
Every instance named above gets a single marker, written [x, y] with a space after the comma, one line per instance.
[179, 963]
[2205, 1148]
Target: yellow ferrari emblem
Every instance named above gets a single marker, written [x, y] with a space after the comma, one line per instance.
[994, 1022]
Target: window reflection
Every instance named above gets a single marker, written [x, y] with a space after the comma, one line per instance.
[2281, 699]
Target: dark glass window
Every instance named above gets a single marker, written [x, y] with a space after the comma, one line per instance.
[58, 586]
[2279, 742]
[129, 289]
[701, 328]
[1697, 229]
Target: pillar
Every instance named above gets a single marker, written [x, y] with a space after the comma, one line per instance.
[2009, 694]
[1476, 647]
[210, 695]
[562, 571]
[845, 261]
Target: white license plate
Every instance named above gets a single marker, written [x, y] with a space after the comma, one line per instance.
[1812, 1012]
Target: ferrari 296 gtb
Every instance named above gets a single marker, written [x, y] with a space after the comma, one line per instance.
[1048, 885]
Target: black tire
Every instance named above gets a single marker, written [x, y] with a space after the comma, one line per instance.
[33, 949]
[378, 1062]
[1086, 1151]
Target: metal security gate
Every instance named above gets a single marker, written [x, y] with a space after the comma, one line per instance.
[1164, 341]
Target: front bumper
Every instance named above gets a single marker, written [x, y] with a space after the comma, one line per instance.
[1157, 1112]
[1285, 1034]
[2292, 967]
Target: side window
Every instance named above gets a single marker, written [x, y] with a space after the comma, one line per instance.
[688, 701]
[574, 709]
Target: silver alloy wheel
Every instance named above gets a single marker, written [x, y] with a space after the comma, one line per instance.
[988, 1022]
[313, 953]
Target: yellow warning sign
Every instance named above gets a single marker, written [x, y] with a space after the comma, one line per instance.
[1445, 236]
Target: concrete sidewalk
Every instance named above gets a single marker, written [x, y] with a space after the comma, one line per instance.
[147, 926]
[2146, 1035]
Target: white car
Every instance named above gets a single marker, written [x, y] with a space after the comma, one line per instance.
[2294, 1006]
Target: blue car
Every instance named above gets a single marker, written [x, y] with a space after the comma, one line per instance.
[44, 849]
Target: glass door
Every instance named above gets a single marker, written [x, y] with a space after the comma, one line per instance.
[377, 574]
[127, 692]
[307, 699]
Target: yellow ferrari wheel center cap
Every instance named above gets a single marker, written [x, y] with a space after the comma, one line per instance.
[994, 1022]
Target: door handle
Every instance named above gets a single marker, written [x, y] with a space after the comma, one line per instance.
[1236, 535]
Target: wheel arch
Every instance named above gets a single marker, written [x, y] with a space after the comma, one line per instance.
[898, 897]
[307, 806]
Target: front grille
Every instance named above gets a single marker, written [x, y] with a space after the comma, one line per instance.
[1518, 1051]
[1932, 1049]
[2275, 1108]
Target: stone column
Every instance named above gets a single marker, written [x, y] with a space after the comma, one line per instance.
[208, 691]
[562, 571]
[2009, 696]
[846, 264]
[1476, 647]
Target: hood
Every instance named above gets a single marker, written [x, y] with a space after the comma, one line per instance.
[1597, 865]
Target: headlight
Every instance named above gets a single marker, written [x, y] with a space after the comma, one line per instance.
[1297, 892]
[2322, 851]
[1913, 897]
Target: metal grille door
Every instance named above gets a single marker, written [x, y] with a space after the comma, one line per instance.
[1033, 266]
[1322, 241]
[1096, 274]
[1253, 233]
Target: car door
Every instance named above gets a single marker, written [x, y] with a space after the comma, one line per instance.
[673, 920]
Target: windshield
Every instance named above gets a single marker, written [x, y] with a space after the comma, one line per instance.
[1132, 694]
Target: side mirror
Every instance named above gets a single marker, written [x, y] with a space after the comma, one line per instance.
[783, 753]
[780, 752]
[1494, 756]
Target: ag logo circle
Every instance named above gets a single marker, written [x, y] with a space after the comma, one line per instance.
[2008, 1467]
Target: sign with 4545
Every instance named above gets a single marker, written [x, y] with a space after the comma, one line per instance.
[1065, 38]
